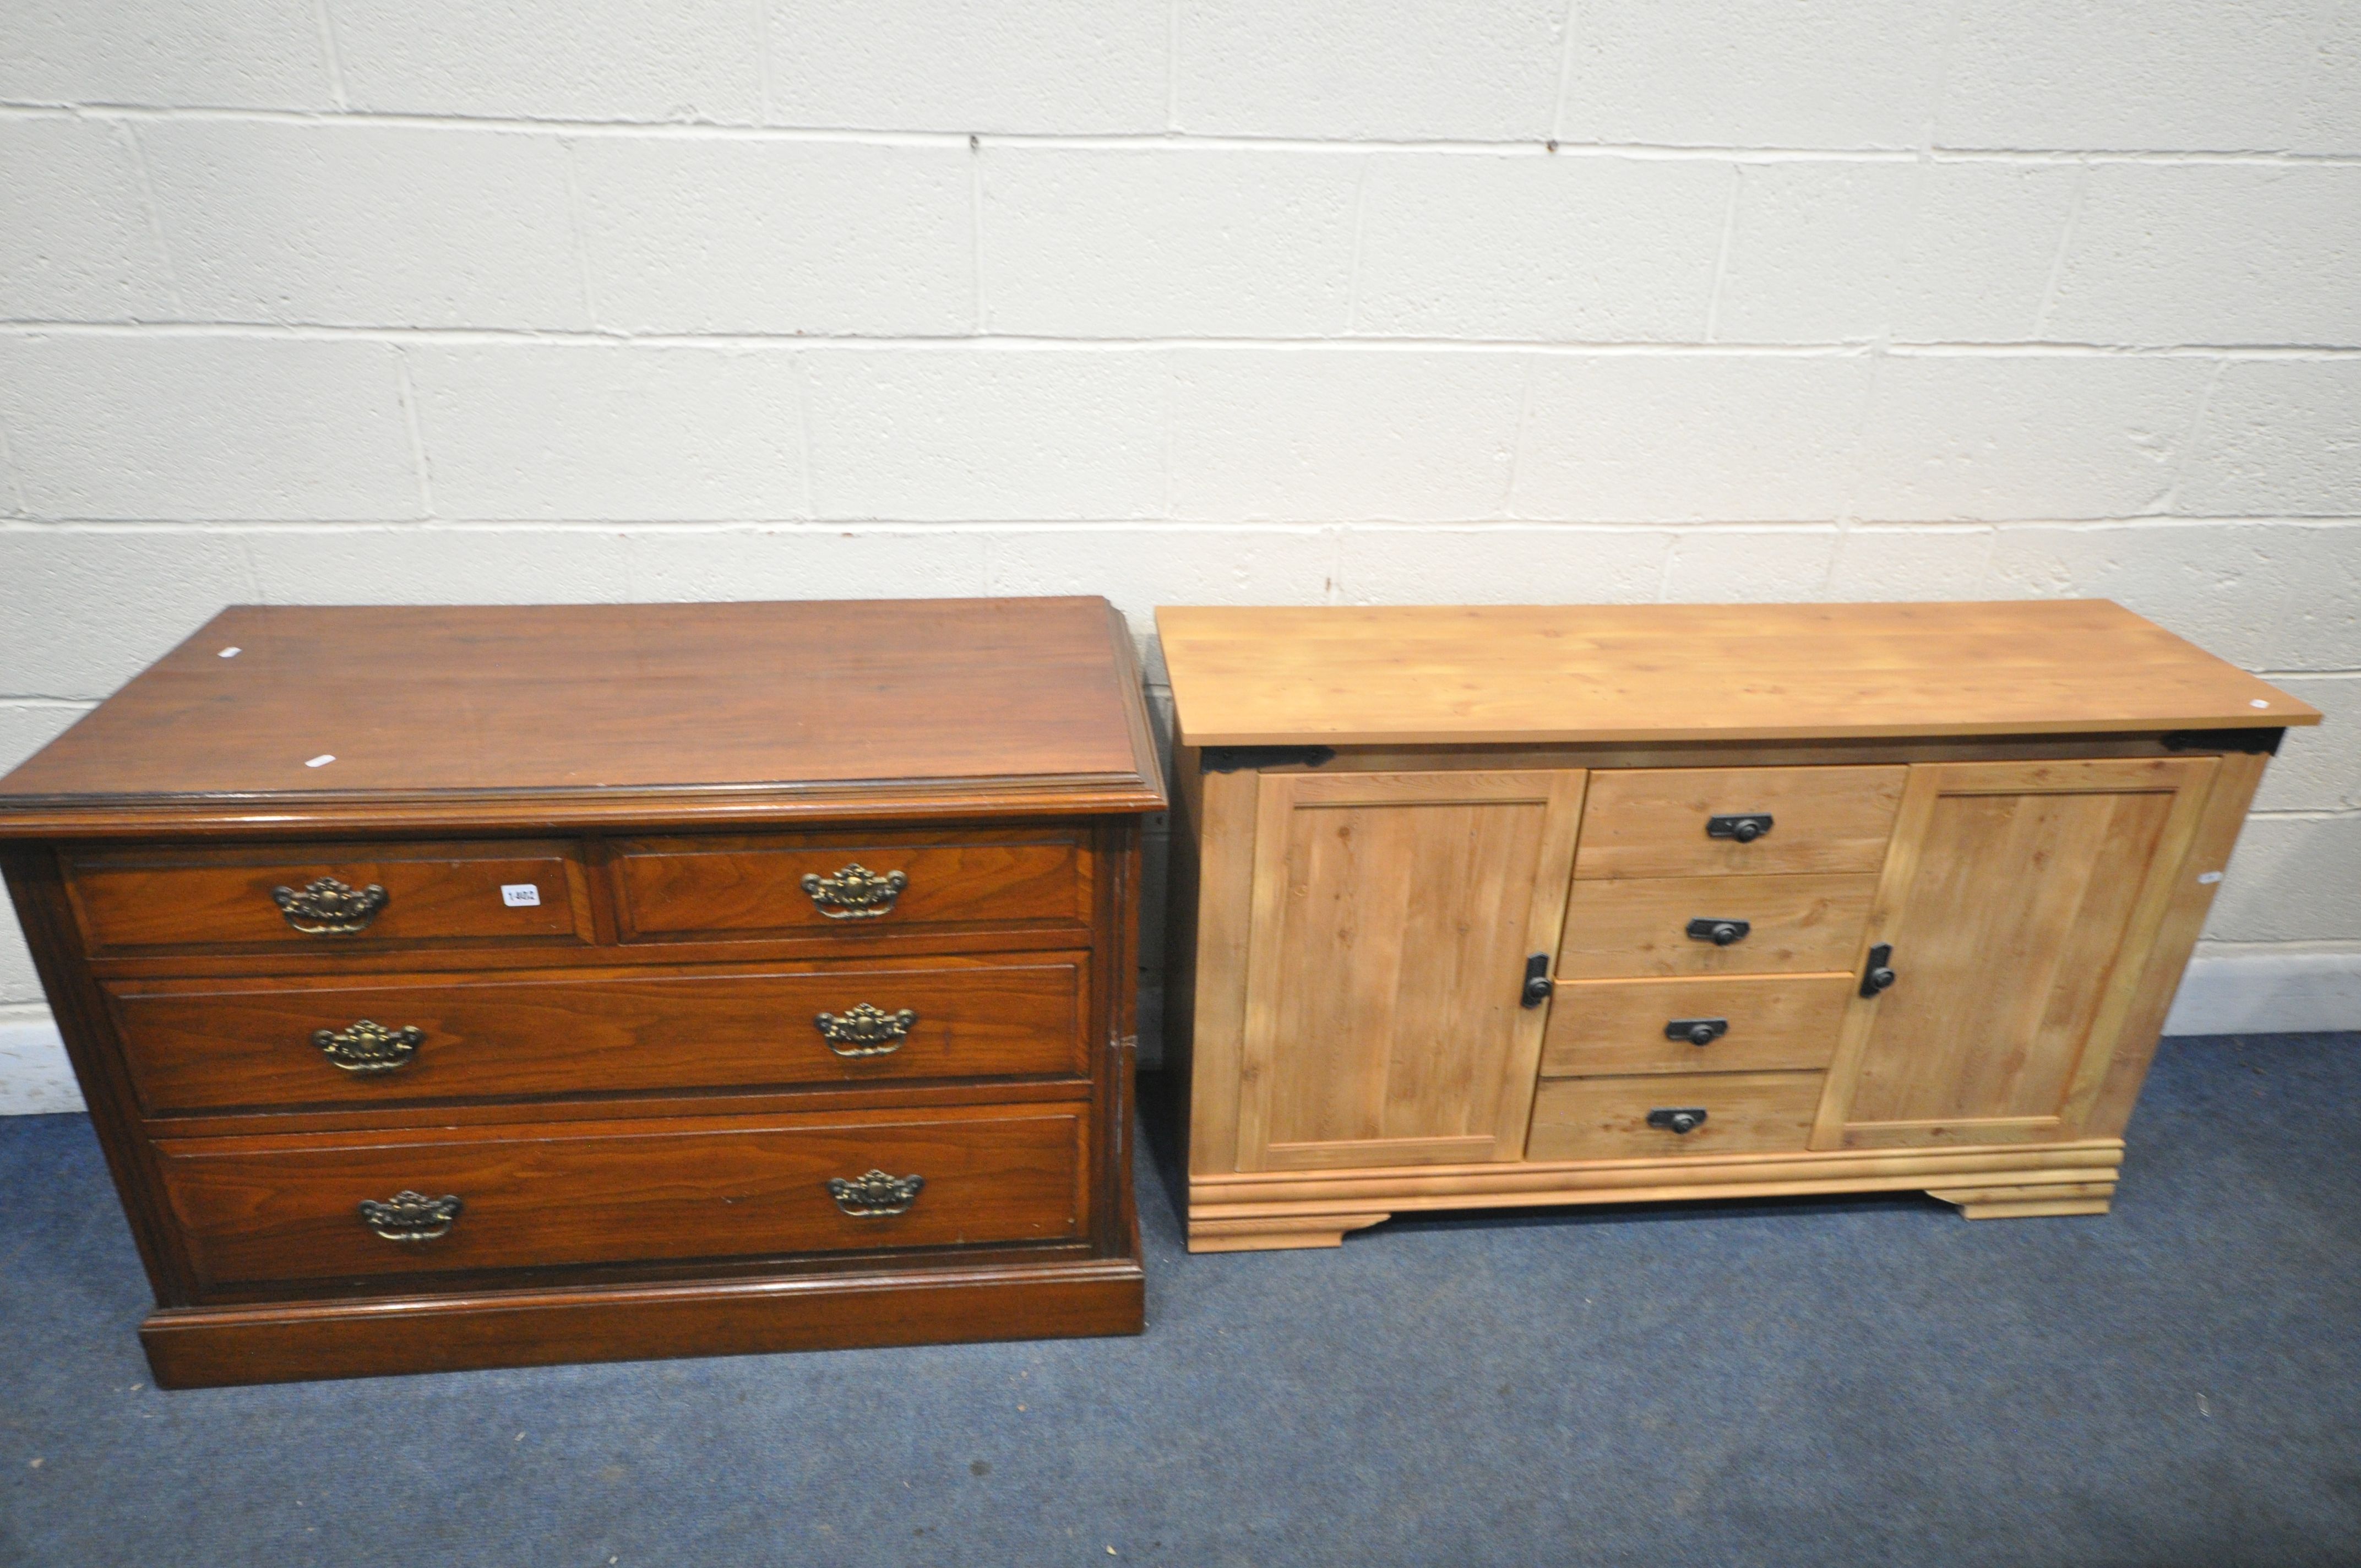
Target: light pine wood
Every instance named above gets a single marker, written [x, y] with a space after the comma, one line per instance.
[2021, 797]
[1609, 1026]
[1606, 1118]
[1650, 822]
[1800, 925]
[1391, 917]
[2236, 778]
[2020, 900]
[1319, 1206]
[1462, 675]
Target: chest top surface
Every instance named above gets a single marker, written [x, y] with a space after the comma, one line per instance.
[1628, 672]
[566, 714]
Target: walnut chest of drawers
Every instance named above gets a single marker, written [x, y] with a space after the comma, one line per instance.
[1532, 906]
[470, 987]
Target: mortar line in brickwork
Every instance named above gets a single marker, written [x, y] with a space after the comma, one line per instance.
[1536, 146]
[1034, 343]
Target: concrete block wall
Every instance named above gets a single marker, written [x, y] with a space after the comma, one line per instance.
[1199, 300]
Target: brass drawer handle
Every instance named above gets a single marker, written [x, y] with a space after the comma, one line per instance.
[327, 908]
[366, 1046]
[876, 1195]
[864, 1031]
[410, 1216]
[856, 892]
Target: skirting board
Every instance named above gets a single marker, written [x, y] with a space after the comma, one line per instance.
[2236, 994]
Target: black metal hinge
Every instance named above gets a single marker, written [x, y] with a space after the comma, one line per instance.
[1230, 759]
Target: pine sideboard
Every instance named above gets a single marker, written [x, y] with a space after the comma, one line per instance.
[470, 987]
[1526, 906]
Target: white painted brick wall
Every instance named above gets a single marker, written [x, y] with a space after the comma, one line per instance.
[1204, 300]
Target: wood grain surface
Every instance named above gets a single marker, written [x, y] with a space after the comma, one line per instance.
[551, 713]
[1617, 1026]
[200, 1045]
[1650, 822]
[1799, 925]
[264, 1209]
[1606, 1118]
[1532, 675]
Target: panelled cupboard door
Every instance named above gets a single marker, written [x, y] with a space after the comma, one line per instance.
[2021, 901]
[1392, 916]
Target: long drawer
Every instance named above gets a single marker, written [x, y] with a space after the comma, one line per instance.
[258, 1209]
[1653, 822]
[1727, 1113]
[330, 897]
[720, 889]
[394, 1039]
[1715, 1024]
[1668, 925]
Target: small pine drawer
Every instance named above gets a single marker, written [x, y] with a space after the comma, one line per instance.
[1714, 925]
[330, 897]
[687, 889]
[1609, 1026]
[387, 1040]
[1673, 1113]
[335, 1207]
[1661, 822]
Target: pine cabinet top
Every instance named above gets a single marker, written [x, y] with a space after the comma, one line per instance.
[1464, 674]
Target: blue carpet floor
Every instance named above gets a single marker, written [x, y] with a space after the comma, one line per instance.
[1795, 1383]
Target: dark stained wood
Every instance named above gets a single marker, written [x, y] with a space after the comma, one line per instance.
[214, 1347]
[285, 1209]
[196, 1045]
[623, 1079]
[685, 887]
[618, 714]
[132, 901]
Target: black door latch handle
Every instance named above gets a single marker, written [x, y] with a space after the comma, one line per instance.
[1677, 1119]
[1697, 1031]
[1879, 974]
[1537, 982]
[1744, 826]
[1720, 933]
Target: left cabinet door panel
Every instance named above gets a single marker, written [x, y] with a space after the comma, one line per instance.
[1392, 916]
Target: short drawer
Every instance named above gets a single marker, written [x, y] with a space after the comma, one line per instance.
[330, 896]
[1658, 822]
[395, 1039]
[719, 889]
[1791, 925]
[1606, 1026]
[258, 1209]
[1733, 1112]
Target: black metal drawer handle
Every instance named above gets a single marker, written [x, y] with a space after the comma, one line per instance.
[1720, 933]
[864, 1031]
[1682, 1120]
[1879, 972]
[1744, 826]
[876, 1194]
[411, 1217]
[855, 892]
[1697, 1031]
[326, 907]
[365, 1046]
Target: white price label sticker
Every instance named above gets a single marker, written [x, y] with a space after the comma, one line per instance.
[2209, 878]
[520, 894]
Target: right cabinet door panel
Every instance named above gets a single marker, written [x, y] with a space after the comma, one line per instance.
[2020, 901]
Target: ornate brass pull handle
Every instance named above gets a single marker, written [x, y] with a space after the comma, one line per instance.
[864, 1031]
[366, 1046]
[856, 892]
[876, 1195]
[410, 1216]
[329, 908]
